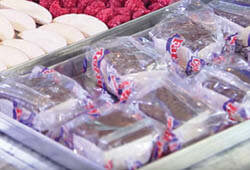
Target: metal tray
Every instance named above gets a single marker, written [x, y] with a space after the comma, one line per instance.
[182, 159]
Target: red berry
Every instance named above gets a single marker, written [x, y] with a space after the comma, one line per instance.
[154, 6]
[56, 10]
[163, 2]
[122, 11]
[117, 20]
[82, 4]
[140, 12]
[105, 15]
[69, 3]
[153, 1]
[114, 3]
[73, 10]
[94, 8]
[134, 5]
[46, 3]
[146, 2]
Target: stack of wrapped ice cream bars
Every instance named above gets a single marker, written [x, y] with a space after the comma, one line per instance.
[127, 101]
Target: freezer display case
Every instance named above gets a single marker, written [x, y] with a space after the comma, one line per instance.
[62, 83]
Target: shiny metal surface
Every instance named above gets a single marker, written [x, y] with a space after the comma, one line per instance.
[15, 156]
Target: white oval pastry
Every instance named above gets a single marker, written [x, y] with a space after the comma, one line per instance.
[30, 49]
[40, 14]
[70, 33]
[19, 20]
[47, 40]
[11, 56]
[6, 29]
[87, 24]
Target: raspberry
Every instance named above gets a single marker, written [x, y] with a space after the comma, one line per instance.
[163, 2]
[56, 10]
[153, 1]
[146, 2]
[69, 3]
[154, 6]
[122, 11]
[73, 10]
[134, 5]
[172, 1]
[140, 12]
[46, 3]
[105, 1]
[105, 15]
[94, 8]
[117, 20]
[114, 3]
[82, 4]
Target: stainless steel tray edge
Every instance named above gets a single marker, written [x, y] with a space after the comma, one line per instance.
[44, 145]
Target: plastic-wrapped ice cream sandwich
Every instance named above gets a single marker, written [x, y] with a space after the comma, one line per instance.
[118, 65]
[235, 12]
[186, 118]
[116, 139]
[189, 37]
[223, 91]
[43, 99]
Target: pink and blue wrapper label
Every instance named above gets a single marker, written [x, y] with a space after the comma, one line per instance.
[136, 165]
[122, 89]
[109, 165]
[92, 110]
[168, 142]
[173, 44]
[18, 115]
[64, 137]
[248, 40]
[234, 111]
[96, 66]
[217, 59]
[230, 44]
[194, 65]
[17, 112]
[230, 108]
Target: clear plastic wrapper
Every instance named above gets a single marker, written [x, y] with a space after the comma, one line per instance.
[186, 118]
[189, 37]
[121, 65]
[235, 12]
[223, 91]
[44, 99]
[243, 74]
[102, 140]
